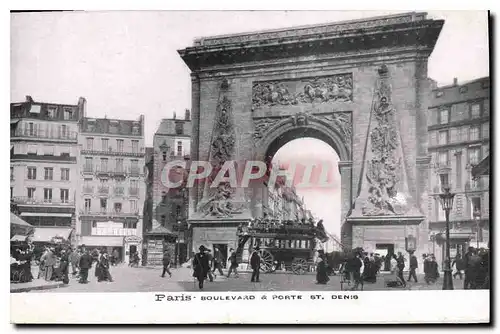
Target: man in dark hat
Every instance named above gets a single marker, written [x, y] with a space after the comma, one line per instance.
[85, 264]
[255, 264]
[201, 266]
[234, 263]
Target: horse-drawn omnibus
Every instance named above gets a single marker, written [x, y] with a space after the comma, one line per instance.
[284, 245]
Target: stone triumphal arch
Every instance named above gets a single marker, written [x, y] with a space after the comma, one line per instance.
[360, 86]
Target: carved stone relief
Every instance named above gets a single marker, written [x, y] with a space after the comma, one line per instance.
[218, 201]
[316, 90]
[384, 166]
[262, 126]
[343, 122]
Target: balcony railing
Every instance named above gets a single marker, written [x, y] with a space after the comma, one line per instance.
[42, 134]
[88, 190]
[479, 185]
[103, 190]
[113, 152]
[112, 171]
[109, 213]
[37, 201]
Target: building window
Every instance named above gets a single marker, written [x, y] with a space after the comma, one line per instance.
[31, 173]
[104, 204]
[444, 180]
[164, 154]
[118, 207]
[31, 193]
[178, 211]
[135, 146]
[474, 133]
[134, 184]
[134, 164]
[64, 131]
[90, 144]
[104, 164]
[119, 165]
[163, 220]
[475, 110]
[485, 133]
[88, 204]
[179, 128]
[49, 173]
[64, 195]
[443, 158]
[179, 148]
[68, 114]
[475, 206]
[88, 165]
[64, 174]
[104, 144]
[12, 173]
[31, 129]
[443, 137]
[474, 155]
[444, 115]
[47, 195]
[119, 145]
[51, 112]
[11, 192]
[133, 205]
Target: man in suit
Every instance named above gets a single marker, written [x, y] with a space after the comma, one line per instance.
[255, 264]
[85, 264]
[201, 266]
[413, 267]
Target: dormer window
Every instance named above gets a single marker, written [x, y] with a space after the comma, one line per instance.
[51, 112]
[68, 114]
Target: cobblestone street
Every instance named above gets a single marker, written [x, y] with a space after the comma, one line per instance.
[128, 279]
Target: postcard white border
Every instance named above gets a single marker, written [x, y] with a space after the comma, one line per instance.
[371, 307]
[469, 306]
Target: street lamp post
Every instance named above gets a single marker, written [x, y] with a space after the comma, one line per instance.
[446, 199]
[477, 220]
[177, 260]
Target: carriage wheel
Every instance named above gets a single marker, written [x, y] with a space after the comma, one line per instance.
[299, 266]
[266, 261]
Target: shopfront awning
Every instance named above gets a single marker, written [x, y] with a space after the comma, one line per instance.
[103, 241]
[15, 220]
[48, 234]
[45, 214]
[18, 237]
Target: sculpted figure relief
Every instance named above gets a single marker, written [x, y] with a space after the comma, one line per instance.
[318, 90]
[219, 204]
[384, 168]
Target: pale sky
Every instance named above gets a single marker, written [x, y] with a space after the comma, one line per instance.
[126, 63]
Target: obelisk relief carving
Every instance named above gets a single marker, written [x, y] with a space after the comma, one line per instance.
[383, 187]
[219, 197]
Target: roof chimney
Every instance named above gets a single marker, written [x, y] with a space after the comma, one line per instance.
[175, 115]
[455, 81]
[29, 99]
[82, 103]
[187, 115]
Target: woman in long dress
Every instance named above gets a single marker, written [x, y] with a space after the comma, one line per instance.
[321, 270]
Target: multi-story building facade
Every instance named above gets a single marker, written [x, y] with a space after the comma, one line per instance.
[112, 185]
[171, 142]
[459, 138]
[43, 165]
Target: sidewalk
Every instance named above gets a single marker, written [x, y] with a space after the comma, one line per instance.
[36, 284]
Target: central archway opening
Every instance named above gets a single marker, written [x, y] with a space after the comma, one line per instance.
[312, 164]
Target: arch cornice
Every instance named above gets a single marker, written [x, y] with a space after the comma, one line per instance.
[333, 128]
